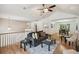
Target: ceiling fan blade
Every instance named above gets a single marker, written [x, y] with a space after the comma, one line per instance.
[52, 6]
[44, 6]
[50, 10]
[39, 9]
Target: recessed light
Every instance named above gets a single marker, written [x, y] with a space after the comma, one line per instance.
[9, 28]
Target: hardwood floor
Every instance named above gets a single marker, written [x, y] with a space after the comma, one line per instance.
[61, 45]
[15, 49]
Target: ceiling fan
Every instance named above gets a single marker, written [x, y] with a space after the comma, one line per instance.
[47, 9]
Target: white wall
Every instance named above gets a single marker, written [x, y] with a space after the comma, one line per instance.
[72, 25]
[14, 25]
[40, 25]
[56, 25]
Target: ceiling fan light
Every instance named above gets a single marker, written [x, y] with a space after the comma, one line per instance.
[46, 10]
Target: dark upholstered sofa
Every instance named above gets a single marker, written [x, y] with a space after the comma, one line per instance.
[40, 36]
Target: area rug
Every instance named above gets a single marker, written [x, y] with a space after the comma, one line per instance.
[39, 50]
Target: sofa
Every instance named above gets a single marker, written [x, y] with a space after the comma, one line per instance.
[36, 37]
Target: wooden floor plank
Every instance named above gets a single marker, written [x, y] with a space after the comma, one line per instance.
[15, 49]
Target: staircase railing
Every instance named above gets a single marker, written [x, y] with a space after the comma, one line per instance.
[7, 39]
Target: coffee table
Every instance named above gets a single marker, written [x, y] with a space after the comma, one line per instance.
[47, 43]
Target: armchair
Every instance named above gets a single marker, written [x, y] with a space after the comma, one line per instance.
[72, 39]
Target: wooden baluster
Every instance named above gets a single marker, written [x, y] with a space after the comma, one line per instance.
[11, 38]
[5, 40]
[8, 40]
[18, 37]
[0, 41]
[14, 38]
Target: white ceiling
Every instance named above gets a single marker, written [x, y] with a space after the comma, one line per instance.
[16, 11]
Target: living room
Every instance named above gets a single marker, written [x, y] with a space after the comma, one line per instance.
[17, 21]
